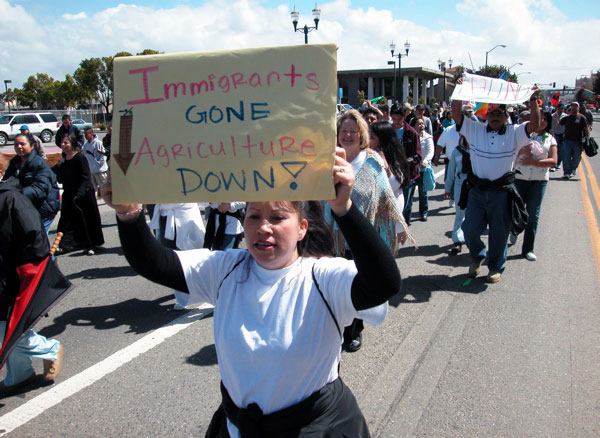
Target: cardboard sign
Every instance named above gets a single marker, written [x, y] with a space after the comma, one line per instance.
[490, 90]
[241, 125]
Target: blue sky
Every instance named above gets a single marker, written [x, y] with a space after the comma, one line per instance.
[541, 34]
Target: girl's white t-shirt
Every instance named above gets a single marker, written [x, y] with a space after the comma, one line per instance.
[276, 341]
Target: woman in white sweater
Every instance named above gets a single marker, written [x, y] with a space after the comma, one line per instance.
[427, 149]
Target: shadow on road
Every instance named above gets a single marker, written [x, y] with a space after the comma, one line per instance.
[141, 316]
[428, 284]
[110, 272]
[207, 356]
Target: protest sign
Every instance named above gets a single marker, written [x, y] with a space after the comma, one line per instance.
[239, 125]
[490, 90]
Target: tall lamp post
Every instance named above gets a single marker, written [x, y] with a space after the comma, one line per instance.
[486, 53]
[442, 67]
[523, 73]
[394, 63]
[516, 63]
[6, 82]
[399, 56]
[508, 69]
[317, 16]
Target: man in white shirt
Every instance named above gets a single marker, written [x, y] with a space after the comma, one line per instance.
[494, 146]
[448, 140]
[93, 150]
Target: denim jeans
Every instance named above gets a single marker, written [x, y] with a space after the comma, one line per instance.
[532, 193]
[408, 191]
[423, 201]
[488, 207]
[458, 235]
[47, 222]
[571, 156]
[559, 147]
[19, 365]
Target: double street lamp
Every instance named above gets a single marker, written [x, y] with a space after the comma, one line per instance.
[317, 16]
[394, 64]
[486, 53]
[442, 67]
[6, 82]
[399, 56]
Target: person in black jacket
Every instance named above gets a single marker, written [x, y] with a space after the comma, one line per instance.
[80, 220]
[412, 149]
[69, 129]
[22, 241]
[36, 178]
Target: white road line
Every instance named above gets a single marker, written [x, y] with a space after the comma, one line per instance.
[61, 391]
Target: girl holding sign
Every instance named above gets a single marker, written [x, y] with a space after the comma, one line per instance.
[280, 308]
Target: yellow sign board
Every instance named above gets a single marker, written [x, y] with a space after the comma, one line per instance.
[240, 125]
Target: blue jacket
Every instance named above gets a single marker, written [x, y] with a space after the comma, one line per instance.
[38, 183]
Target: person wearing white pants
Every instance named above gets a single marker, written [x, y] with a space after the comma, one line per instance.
[179, 226]
[452, 188]
[19, 366]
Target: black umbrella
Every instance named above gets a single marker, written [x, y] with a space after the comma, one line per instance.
[41, 286]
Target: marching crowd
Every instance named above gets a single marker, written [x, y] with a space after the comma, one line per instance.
[311, 272]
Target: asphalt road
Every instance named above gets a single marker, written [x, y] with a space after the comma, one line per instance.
[453, 359]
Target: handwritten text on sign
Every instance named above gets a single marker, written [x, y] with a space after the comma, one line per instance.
[245, 125]
[489, 90]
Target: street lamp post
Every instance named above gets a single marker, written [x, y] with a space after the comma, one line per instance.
[486, 53]
[394, 63]
[523, 73]
[317, 16]
[6, 82]
[442, 67]
[399, 56]
[516, 63]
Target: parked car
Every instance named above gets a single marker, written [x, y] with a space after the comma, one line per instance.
[44, 125]
[81, 124]
[343, 107]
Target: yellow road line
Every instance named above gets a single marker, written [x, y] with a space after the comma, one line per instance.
[589, 210]
[593, 183]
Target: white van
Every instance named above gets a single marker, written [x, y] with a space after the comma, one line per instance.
[44, 125]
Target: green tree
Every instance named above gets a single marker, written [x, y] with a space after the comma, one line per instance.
[37, 92]
[148, 52]
[66, 93]
[9, 96]
[360, 98]
[458, 72]
[596, 85]
[494, 71]
[105, 88]
[87, 77]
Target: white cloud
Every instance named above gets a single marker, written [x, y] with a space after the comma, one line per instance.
[79, 16]
[535, 31]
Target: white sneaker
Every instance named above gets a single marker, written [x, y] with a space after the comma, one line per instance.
[178, 307]
[531, 256]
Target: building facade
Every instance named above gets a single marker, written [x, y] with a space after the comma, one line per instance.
[418, 83]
